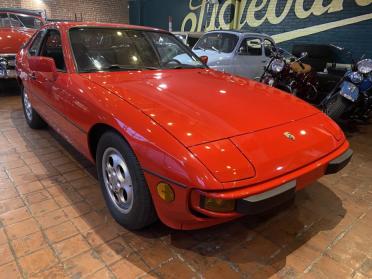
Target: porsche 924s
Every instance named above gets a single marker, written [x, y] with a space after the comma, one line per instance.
[171, 138]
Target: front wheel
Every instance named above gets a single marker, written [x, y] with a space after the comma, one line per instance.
[123, 184]
[336, 107]
[33, 119]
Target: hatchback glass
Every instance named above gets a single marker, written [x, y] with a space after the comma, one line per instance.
[112, 49]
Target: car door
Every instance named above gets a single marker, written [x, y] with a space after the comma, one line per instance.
[249, 59]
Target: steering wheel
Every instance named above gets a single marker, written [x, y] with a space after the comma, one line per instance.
[172, 60]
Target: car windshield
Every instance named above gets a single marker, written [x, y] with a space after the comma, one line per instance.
[113, 49]
[221, 42]
[30, 21]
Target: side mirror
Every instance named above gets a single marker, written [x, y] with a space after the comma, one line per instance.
[45, 66]
[204, 59]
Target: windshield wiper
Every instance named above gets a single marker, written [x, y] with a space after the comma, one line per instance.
[185, 66]
[119, 67]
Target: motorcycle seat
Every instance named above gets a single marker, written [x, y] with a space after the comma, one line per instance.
[297, 68]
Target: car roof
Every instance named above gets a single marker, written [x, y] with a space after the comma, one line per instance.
[74, 24]
[240, 32]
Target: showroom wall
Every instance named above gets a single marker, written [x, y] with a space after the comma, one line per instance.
[347, 23]
[91, 10]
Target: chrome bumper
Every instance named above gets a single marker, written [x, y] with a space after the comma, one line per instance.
[7, 68]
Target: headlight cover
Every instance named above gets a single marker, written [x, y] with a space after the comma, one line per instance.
[277, 65]
[356, 77]
[365, 66]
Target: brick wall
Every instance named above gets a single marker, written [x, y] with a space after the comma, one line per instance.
[91, 10]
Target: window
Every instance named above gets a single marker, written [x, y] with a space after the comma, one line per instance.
[4, 20]
[112, 49]
[14, 21]
[269, 47]
[221, 42]
[35, 45]
[252, 47]
[30, 21]
[52, 47]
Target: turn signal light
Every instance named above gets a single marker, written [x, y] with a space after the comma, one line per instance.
[165, 192]
[219, 205]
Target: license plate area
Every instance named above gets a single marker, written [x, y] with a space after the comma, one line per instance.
[349, 91]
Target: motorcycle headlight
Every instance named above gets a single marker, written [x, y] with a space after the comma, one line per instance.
[365, 66]
[356, 77]
[277, 65]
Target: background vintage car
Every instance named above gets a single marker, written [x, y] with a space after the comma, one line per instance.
[236, 52]
[16, 27]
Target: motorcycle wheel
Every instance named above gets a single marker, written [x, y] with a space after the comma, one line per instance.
[336, 107]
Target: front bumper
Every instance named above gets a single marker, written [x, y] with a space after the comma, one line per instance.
[187, 211]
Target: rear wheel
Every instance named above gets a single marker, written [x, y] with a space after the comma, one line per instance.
[123, 184]
[336, 107]
[33, 119]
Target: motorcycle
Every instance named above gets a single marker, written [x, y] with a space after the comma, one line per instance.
[291, 75]
[352, 96]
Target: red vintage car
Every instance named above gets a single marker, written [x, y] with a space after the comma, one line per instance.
[16, 27]
[170, 137]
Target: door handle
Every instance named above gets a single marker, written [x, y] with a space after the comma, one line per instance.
[33, 76]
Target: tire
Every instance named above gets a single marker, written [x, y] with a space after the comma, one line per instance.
[130, 201]
[33, 119]
[336, 107]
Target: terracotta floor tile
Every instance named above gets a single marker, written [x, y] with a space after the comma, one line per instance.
[55, 272]
[29, 187]
[61, 231]
[74, 175]
[103, 233]
[88, 221]
[101, 274]
[8, 193]
[36, 197]
[68, 198]
[43, 207]
[15, 216]
[83, 264]
[59, 190]
[178, 270]
[53, 218]
[22, 228]
[71, 247]
[5, 254]
[131, 267]
[11, 204]
[10, 271]
[57, 180]
[37, 261]
[114, 250]
[77, 209]
[28, 244]
[3, 237]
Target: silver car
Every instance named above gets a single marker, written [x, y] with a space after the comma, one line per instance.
[236, 52]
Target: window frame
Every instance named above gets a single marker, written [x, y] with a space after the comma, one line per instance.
[251, 38]
[45, 36]
[32, 41]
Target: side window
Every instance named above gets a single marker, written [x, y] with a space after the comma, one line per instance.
[269, 47]
[251, 46]
[4, 20]
[52, 47]
[14, 21]
[35, 45]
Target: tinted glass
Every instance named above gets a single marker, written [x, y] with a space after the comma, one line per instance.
[221, 42]
[30, 21]
[14, 21]
[52, 47]
[111, 49]
[35, 45]
[4, 20]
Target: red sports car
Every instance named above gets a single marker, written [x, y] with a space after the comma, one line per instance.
[16, 27]
[170, 137]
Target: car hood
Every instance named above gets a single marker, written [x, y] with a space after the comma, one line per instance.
[12, 39]
[200, 105]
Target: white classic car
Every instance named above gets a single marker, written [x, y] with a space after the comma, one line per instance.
[236, 52]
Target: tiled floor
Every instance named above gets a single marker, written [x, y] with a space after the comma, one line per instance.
[54, 223]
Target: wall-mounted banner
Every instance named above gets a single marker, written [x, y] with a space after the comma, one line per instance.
[344, 22]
